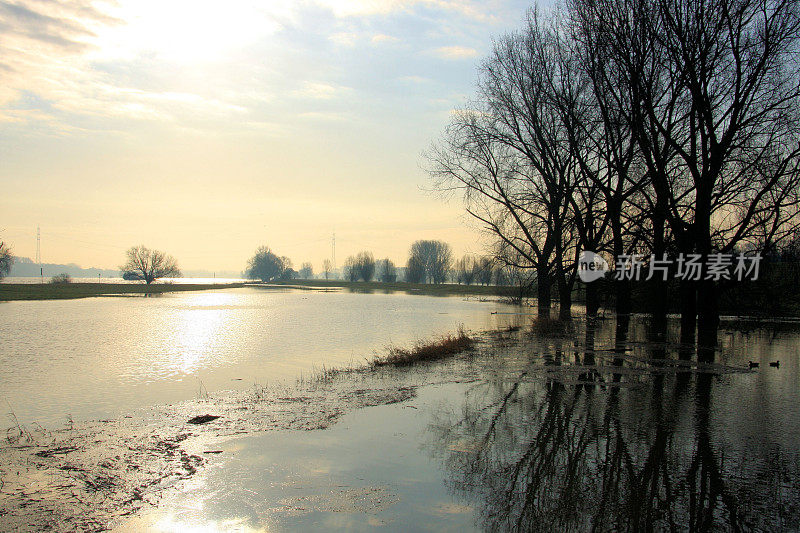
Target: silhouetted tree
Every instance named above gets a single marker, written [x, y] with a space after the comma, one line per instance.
[485, 270]
[149, 265]
[436, 257]
[6, 260]
[466, 270]
[327, 267]
[365, 263]
[266, 266]
[360, 267]
[387, 273]
[306, 271]
[415, 270]
[350, 270]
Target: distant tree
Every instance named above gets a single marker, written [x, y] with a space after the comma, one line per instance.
[306, 271]
[289, 274]
[360, 267]
[60, 279]
[485, 269]
[149, 265]
[436, 257]
[415, 270]
[350, 270]
[327, 267]
[266, 266]
[387, 272]
[6, 260]
[466, 270]
[365, 263]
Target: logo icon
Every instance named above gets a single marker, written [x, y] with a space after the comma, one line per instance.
[591, 266]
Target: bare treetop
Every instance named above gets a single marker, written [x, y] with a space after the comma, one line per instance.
[149, 265]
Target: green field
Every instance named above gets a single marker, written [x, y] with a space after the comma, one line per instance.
[66, 291]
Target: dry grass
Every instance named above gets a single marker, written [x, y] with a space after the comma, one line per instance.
[427, 351]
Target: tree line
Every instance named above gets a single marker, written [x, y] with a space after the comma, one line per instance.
[653, 127]
[429, 261]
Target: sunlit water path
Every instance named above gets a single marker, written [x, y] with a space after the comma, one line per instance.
[99, 357]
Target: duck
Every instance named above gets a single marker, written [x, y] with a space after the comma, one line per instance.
[775, 364]
[753, 365]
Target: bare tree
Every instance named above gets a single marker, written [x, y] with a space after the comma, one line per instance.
[415, 270]
[149, 265]
[387, 272]
[513, 159]
[435, 258]
[306, 271]
[466, 270]
[360, 267]
[485, 268]
[715, 118]
[327, 267]
[6, 260]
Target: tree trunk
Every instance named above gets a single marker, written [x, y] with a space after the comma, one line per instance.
[688, 292]
[592, 299]
[658, 287]
[707, 320]
[564, 298]
[543, 292]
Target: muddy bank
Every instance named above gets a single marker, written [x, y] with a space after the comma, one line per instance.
[88, 476]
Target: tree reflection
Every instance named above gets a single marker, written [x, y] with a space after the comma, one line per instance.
[537, 452]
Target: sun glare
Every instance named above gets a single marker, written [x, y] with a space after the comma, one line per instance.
[187, 32]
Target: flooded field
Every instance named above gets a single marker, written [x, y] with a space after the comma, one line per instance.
[543, 426]
[100, 357]
[530, 433]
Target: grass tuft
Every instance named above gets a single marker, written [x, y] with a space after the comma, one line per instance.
[429, 351]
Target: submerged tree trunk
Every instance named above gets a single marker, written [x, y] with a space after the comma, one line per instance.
[564, 298]
[707, 320]
[688, 292]
[543, 292]
[657, 285]
[592, 300]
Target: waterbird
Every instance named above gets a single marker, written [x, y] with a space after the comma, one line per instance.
[753, 365]
[775, 364]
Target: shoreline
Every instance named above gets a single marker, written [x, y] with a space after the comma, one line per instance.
[71, 291]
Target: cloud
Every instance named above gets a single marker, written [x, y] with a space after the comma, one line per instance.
[322, 116]
[414, 79]
[379, 38]
[455, 52]
[344, 38]
[320, 91]
[480, 11]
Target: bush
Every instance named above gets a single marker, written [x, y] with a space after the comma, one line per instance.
[60, 279]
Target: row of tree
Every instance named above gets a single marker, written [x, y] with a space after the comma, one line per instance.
[430, 261]
[634, 126]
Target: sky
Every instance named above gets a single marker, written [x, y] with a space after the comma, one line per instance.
[207, 129]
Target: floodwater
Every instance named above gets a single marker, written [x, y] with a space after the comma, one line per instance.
[97, 358]
[534, 434]
[544, 427]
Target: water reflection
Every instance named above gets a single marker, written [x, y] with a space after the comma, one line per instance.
[603, 447]
[100, 357]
